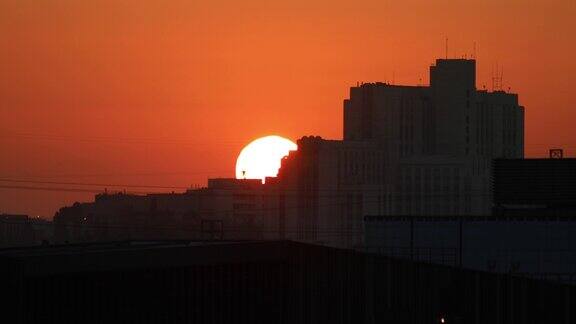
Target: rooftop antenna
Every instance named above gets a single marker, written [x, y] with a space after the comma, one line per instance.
[474, 51]
[501, 78]
[497, 78]
[393, 77]
[446, 47]
[492, 75]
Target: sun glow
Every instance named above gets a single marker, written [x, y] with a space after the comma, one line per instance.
[262, 157]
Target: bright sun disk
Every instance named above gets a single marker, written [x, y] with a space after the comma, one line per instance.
[261, 158]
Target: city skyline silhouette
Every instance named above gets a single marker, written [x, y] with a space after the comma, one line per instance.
[168, 94]
[304, 161]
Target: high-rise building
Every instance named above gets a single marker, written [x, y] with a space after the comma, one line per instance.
[397, 117]
[450, 117]
[407, 150]
[325, 187]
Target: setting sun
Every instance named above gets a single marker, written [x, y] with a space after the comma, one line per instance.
[261, 158]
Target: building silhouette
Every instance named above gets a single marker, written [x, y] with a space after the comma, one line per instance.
[439, 140]
[450, 117]
[406, 150]
[225, 209]
[425, 212]
[425, 173]
[22, 230]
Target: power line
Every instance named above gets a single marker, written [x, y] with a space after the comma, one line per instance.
[57, 189]
[92, 184]
[339, 193]
[123, 174]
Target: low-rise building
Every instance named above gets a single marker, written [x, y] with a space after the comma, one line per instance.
[536, 246]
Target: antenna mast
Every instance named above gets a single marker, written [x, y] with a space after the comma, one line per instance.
[492, 76]
[497, 83]
[501, 78]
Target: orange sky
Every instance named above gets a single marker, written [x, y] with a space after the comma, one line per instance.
[168, 92]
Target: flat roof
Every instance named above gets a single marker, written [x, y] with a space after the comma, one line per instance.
[134, 255]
